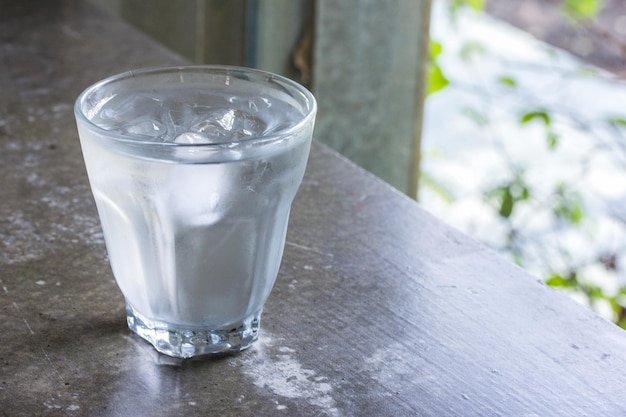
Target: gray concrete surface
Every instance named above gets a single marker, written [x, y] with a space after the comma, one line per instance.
[379, 308]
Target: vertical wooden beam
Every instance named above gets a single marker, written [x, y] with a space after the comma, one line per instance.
[423, 45]
[368, 72]
[274, 29]
[200, 26]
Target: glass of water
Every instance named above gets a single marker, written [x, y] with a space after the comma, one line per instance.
[193, 170]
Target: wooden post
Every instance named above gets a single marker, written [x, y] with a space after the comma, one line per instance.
[368, 73]
[275, 28]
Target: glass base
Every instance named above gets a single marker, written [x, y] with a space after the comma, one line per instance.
[186, 342]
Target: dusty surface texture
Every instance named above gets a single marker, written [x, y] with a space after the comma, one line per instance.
[379, 309]
[600, 41]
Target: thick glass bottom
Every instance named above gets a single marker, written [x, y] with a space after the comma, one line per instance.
[186, 342]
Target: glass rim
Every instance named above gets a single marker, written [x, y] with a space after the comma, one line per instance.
[297, 91]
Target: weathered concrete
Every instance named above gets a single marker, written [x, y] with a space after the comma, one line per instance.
[379, 309]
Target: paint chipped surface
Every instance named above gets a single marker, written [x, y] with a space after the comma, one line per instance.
[275, 367]
[390, 368]
[42, 208]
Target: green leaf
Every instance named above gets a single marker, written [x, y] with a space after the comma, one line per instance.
[553, 139]
[508, 195]
[518, 258]
[506, 206]
[435, 49]
[615, 305]
[569, 205]
[436, 79]
[477, 117]
[470, 49]
[576, 215]
[587, 71]
[617, 121]
[595, 293]
[581, 9]
[536, 114]
[478, 5]
[558, 281]
[524, 194]
[508, 81]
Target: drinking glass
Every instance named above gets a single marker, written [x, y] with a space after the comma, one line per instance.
[193, 171]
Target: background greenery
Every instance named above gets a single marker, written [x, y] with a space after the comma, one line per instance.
[514, 199]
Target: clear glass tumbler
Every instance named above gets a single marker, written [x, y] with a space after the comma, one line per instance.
[193, 170]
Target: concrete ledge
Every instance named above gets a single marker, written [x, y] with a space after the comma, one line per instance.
[379, 308]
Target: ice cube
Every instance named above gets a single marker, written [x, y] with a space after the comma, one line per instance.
[217, 123]
[227, 124]
[135, 114]
[189, 138]
[123, 108]
[176, 117]
[146, 127]
[192, 137]
[254, 104]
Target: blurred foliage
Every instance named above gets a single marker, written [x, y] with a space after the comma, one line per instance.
[581, 9]
[478, 5]
[436, 78]
[566, 204]
[552, 138]
[575, 9]
[507, 195]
